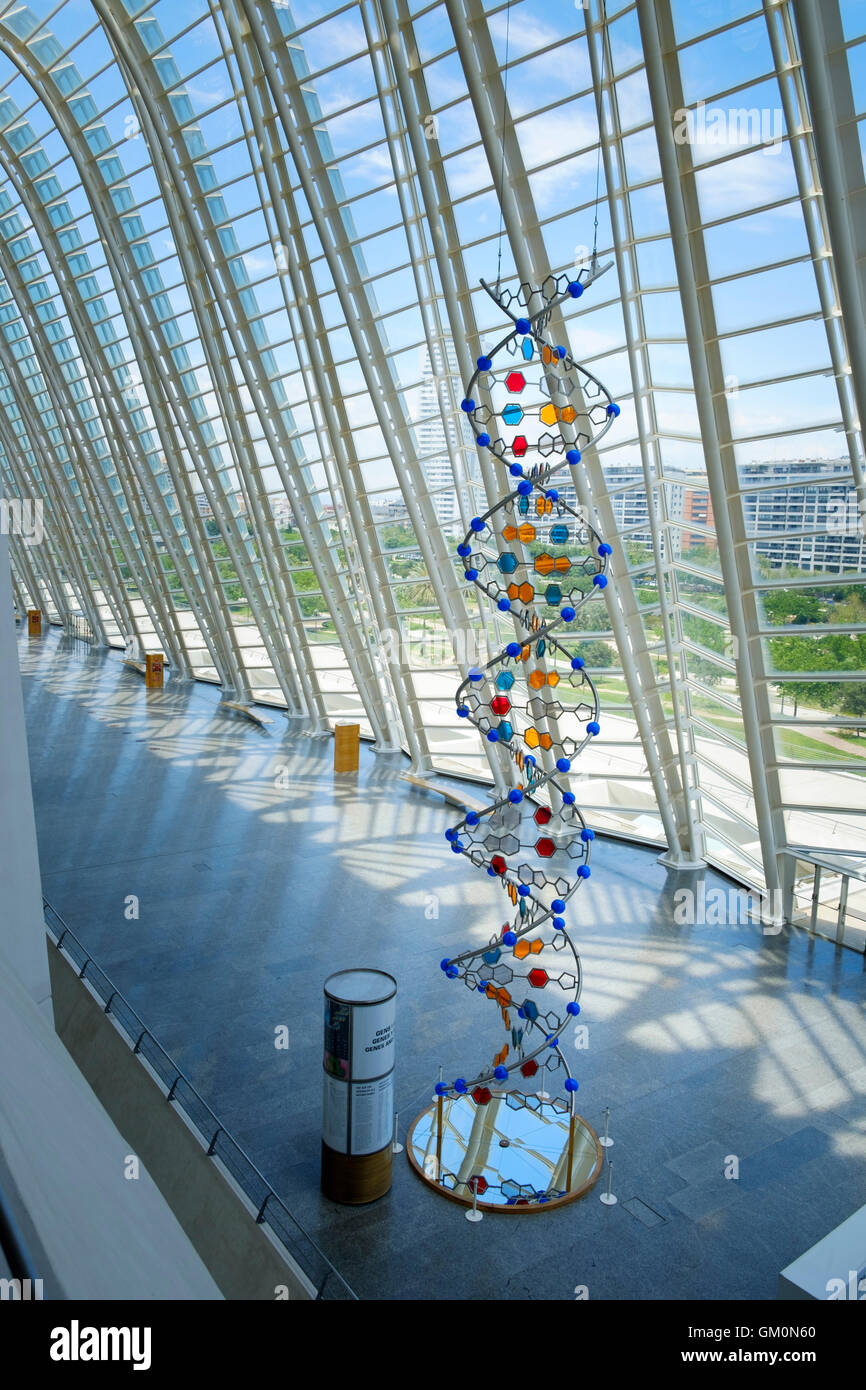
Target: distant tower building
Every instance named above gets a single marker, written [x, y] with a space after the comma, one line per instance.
[698, 508]
[438, 445]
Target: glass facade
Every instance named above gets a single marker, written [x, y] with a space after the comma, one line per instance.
[240, 254]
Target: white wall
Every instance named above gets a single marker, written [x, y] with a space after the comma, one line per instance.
[22, 932]
[104, 1235]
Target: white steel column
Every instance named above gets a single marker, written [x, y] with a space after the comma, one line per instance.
[715, 427]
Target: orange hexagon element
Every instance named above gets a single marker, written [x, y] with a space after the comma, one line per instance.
[522, 948]
[537, 679]
[503, 997]
[510, 533]
[546, 740]
[526, 593]
[512, 591]
[526, 533]
[552, 678]
[544, 563]
[530, 738]
[562, 564]
[548, 414]
[536, 945]
[543, 506]
[568, 414]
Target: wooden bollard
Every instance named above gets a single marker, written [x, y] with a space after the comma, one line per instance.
[346, 747]
[154, 663]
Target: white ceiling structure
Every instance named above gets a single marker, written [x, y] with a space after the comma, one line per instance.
[240, 253]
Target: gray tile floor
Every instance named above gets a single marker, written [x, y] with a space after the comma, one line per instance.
[705, 1041]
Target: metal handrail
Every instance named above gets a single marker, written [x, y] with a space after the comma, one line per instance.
[214, 1137]
[819, 863]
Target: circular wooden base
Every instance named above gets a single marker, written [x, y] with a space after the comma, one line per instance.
[356, 1178]
[518, 1151]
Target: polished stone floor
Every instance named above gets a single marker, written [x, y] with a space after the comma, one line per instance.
[258, 873]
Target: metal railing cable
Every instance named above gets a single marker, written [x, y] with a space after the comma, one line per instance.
[269, 1209]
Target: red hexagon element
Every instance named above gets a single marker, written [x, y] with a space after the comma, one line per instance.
[497, 863]
[500, 705]
[537, 978]
[542, 815]
[515, 381]
[545, 847]
[519, 446]
[477, 1184]
[481, 1095]
[529, 1068]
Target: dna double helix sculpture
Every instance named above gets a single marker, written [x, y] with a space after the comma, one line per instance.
[537, 557]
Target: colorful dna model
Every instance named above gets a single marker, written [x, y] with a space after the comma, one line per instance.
[538, 558]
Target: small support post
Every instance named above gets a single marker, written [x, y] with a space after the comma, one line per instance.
[608, 1197]
[570, 1152]
[474, 1214]
[438, 1138]
[605, 1142]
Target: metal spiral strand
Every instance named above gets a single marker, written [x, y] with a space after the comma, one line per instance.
[538, 558]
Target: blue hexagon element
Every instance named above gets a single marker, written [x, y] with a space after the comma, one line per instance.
[527, 349]
[530, 1009]
[507, 562]
[491, 957]
[504, 681]
[505, 731]
[559, 535]
[553, 595]
[512, 414]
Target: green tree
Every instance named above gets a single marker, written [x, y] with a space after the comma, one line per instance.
[853, 703]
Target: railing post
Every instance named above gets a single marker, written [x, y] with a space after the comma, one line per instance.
[843, 908]
[816, 889]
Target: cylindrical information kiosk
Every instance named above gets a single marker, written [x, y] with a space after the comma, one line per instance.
[358, 1120]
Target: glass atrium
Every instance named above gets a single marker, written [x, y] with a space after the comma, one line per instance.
[241, 247]
[252, 255]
